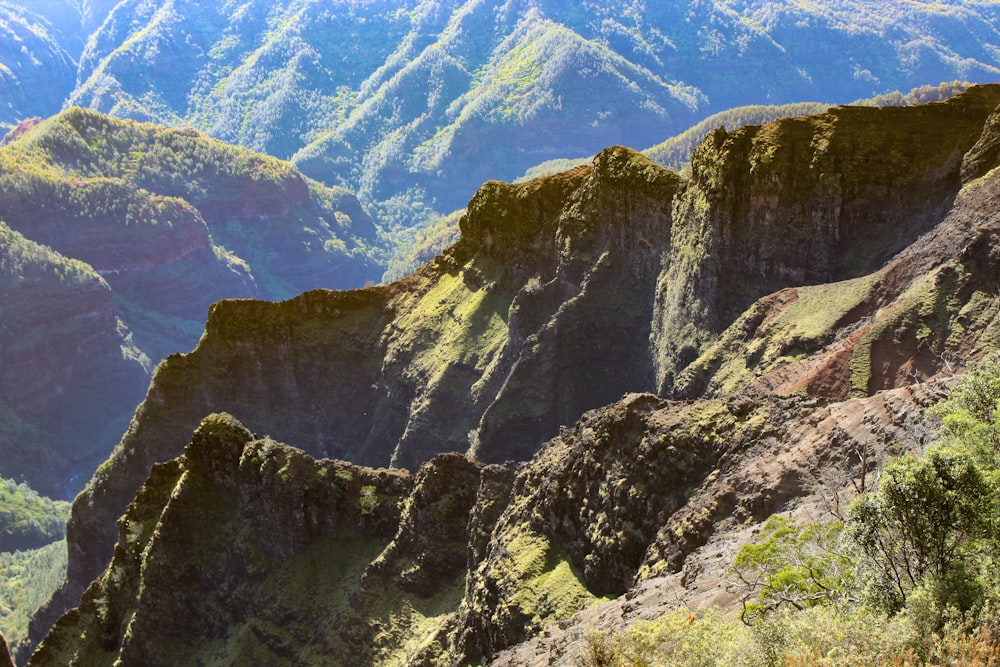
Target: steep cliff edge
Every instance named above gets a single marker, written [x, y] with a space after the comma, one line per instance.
[801, 201]
[566, 293]
[394, 374]
[563, 294]
[243, 550]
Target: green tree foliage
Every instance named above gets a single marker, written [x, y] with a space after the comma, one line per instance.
[969, 417]
[930, 524]
[929, 532]
[920, 95]
[420, 246]
[27, 581]
[28, 520]
[793, 564]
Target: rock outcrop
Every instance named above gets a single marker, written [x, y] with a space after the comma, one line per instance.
[563, 295]
[243, 550]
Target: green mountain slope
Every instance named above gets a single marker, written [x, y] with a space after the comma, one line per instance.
[36, 70]
[69, 365]
[424, 100]
[119, 236]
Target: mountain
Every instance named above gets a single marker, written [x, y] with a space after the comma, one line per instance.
[68, 364]
[792, 290]
[421, 101]
[118, 236]
[40, 49]
[35, 68]
[290, 560]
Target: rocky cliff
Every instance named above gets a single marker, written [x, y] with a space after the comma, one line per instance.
[566, 293]
[244, 550]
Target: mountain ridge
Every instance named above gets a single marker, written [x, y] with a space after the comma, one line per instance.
[550, 303]
[342, 88]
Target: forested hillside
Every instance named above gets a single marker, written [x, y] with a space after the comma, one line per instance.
[117, 237]
[419, 102]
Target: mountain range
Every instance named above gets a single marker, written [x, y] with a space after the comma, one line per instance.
[414, 104]
[582, 391]
[671, 360]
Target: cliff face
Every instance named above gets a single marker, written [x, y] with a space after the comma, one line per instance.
[566, 293]
[803, 201]
[5, 660]
[563, 294]
[243, 550]
[426, 364]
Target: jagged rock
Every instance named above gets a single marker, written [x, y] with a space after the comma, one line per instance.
[563, 295]
[244, 550]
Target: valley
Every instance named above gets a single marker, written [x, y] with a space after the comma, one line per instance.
[357, 334]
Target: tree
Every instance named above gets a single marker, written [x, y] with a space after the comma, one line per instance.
[792, 564]
[927, 525]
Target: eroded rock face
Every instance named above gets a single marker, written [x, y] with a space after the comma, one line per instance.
[566, 293]
[247, 550]
[802, 201]
[436, 362]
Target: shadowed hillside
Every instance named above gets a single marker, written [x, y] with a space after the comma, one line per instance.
[118, 238]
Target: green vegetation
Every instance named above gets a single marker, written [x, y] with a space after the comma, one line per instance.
[28, 520]
[117, 237]
[418, 246]
[548, 587]
[37, 68]
[908, 577]
[676, 151]
[27, 581]
[395, 99]
[796, 322]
